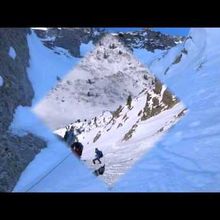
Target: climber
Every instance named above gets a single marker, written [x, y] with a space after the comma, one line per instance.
[98, 155]
[70, 136]
[100, 170]
[77, 148]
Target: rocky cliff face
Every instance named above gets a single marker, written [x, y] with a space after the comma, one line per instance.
[17, 89]
[149, 40]
[71, 38]
[15, 152]
[67, 38]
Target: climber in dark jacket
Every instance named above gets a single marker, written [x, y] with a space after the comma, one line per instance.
[70, 136]
[98, 155]
[77, 148]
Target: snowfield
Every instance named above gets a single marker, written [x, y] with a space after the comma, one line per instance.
[121, 155]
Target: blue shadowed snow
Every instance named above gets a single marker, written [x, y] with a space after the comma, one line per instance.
[44, 62]
[85, 48]
[187, 159]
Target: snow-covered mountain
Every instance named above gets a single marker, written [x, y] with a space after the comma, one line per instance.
[127, 133]
[102, 81]
[106, 59]
[185, 159]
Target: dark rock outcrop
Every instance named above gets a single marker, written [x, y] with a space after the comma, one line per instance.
[167, 102]
[15, 152]
[17, 89]
[71, 39]
[67, 38]
[149, 40]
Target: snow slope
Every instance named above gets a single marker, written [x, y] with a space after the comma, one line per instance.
[74, 175]
[123, 136]
[187, 159]
[119, 155]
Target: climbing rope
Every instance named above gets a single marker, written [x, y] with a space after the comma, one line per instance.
[48, 173]
[43, 177]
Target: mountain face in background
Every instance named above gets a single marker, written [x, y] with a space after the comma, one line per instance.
[66, 38]
[71, 38]
[101, 81]
[149, 40]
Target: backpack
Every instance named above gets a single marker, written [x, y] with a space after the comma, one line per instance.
[66, 135]
[79, 146]
[100, 154]
[78, 152]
